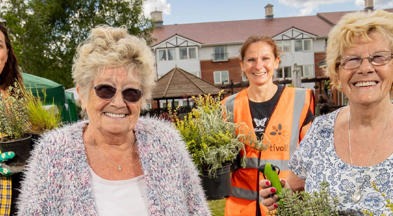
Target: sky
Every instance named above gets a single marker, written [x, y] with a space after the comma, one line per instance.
[195, 11]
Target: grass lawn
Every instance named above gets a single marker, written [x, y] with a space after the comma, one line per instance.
[217, 207]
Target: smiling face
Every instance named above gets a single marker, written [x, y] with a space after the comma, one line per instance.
[3, 52]
[259, 63]
[367, 84]
[115, 115]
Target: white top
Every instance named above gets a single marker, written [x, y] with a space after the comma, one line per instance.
[119, 197]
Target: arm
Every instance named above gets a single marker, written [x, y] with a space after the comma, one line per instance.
[195, 196]
[34, 198]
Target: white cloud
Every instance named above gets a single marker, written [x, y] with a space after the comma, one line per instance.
[309, 7]
[152, 5]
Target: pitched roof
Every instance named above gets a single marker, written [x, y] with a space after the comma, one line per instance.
[179, 83]
[238, 31]
[334, 17]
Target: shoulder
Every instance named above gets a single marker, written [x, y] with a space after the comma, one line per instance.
[62, 138]
[154, 126]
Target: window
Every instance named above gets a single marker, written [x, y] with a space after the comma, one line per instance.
[284, 45]
[307, 70]
[285, 72]
[244, 77]
[166, 54]
[303, 45]
[221, 77]
[187, 52]
[220, 53]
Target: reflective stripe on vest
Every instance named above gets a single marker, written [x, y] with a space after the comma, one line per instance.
[300, 96]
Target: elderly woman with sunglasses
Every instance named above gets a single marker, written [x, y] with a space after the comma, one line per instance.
[352, 147]
[116, 163]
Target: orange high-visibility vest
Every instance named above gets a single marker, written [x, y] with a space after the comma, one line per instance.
[284, 131]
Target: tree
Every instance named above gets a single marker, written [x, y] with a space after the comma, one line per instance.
[46, 33]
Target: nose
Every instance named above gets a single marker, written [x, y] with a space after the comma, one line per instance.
[366, 66]
[259, 64]
[117, 100]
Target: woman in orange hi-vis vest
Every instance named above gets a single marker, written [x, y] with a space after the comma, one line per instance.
[271, 112]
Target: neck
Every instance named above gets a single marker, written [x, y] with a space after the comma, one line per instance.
[262, 93]
[108, 141]
[370, 116]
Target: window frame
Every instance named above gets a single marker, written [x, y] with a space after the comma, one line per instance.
[188, 55]
[166, 52]
[221, 73]
[303, 45]
[224, 54]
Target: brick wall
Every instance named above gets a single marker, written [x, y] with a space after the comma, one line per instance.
[232, 66]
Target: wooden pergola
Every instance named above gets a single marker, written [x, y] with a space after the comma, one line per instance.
[180, 84]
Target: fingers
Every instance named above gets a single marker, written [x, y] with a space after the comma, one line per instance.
[268, 195]
[6, 156]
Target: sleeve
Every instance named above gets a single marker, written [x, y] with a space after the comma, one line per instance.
[34, 197]
[195, 196]
[301, 160]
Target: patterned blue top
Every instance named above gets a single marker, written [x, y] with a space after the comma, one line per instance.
[316, 161]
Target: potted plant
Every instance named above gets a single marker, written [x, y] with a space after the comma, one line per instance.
[41, 117]
[212, 142]
[14, 127]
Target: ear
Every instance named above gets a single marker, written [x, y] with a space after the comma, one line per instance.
[82, 100]
[241, 66]
[276, 62]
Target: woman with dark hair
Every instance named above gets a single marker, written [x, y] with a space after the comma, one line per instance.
[9, 72]
[9, 75]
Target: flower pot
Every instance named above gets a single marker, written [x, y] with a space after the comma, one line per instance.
[22, 148]
[218, 187]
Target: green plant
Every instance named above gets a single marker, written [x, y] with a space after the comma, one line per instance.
[14, 121]
[40, 117]
[210, 138]
[306, 204]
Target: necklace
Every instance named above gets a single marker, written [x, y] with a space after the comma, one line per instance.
[357, 194]
[118, 167]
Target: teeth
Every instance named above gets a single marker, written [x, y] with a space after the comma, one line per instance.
[363, 84]
[115, 115]
[258, 74]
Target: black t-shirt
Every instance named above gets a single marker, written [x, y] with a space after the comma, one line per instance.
[262, 111]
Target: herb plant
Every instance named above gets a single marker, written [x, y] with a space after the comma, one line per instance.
[14, 120]
[306, 204]
[210, 138]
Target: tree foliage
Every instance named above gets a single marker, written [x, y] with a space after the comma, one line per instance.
[46, 33]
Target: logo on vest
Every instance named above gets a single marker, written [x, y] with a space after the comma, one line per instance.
[276, 130]
[278, 148]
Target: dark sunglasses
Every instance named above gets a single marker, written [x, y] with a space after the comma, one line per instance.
[107, 92]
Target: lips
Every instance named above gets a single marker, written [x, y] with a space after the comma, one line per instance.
[365, 83]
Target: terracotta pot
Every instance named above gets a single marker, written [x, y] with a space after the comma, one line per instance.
[22, 148]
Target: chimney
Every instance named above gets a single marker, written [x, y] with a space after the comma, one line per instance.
[269, 11]
[156, 18]
[368, 5]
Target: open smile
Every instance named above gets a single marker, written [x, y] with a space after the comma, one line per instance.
[116, 115]
[365, 83]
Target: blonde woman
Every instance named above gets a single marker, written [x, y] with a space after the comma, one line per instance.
[116, 163]
[352, 147]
